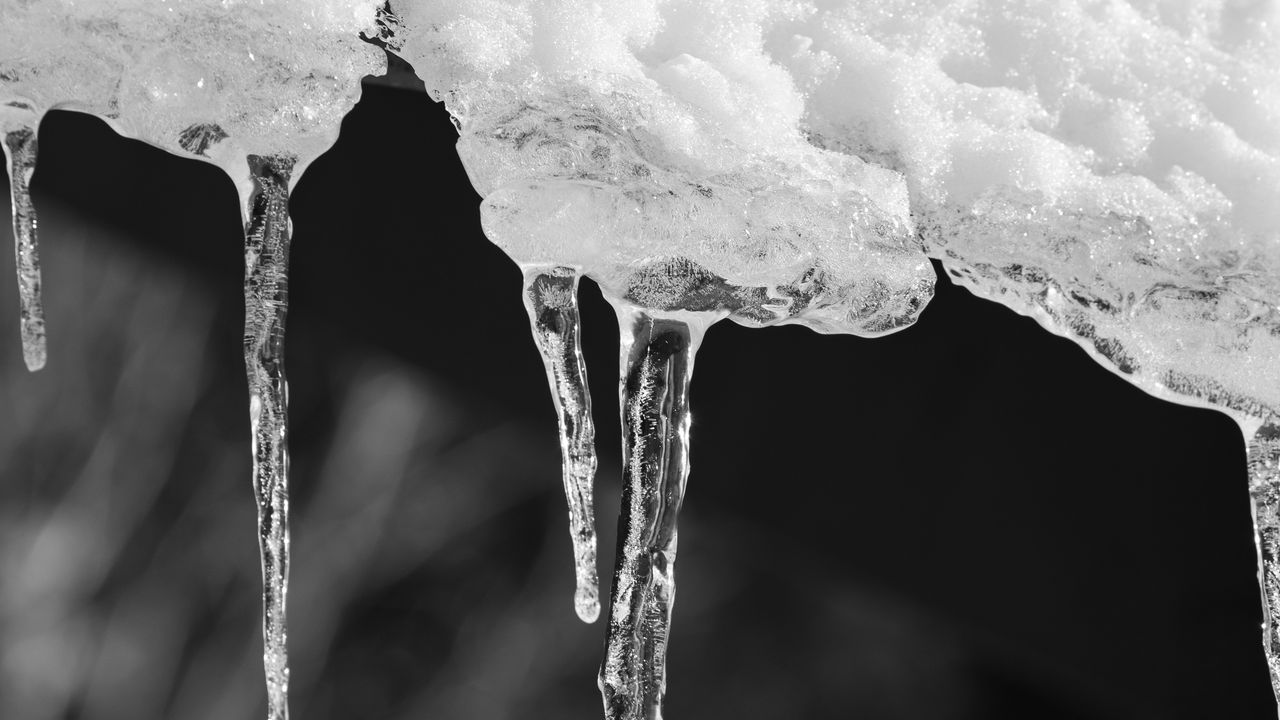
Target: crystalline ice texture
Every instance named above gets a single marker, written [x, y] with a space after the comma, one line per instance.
[267, 236]
[657, 356]
[551, 299]
[258, 88]
[676, 176]
[1108, 168]
[19, 147]
[274, 76]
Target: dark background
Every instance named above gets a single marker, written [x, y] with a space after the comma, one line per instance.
[968, 519]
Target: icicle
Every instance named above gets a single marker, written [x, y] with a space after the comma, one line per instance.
[20, 159]
[266, 297]
[551, 297]
[657, 363]
[1264, 494]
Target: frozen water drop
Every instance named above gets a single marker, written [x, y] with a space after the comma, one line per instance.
[266, 296]
[20, 160]
[656, 365]
[551, 297]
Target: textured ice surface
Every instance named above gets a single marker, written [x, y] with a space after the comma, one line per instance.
[258, 87]
[1109, 168]
[551, 299]
[274, 76]
[659, 148]
[266, 301]
[657, 355]
[19, 147]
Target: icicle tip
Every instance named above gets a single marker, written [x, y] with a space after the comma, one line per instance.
[35, 355]
[586, 601]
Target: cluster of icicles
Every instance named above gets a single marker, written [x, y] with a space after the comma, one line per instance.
[657, 354]
[267, 234]
[657, 361]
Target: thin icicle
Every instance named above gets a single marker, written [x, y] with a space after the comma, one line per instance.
[551, 298]
[657, 363]
[1264, 493]
[266, 297]
[20, 160]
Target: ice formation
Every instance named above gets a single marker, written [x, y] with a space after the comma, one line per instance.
[656, 366]
[258, 88]
[1107, 167]
[20, 161]
[266, 301]
[551, 298]
[671, 183]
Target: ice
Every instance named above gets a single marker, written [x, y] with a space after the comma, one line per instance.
[257, 87]
[266, 299]
[551, 298]
[20, 147]
[1108, 168]
[267, 75]
[1264, 493]
[656, 366]
[600, 138]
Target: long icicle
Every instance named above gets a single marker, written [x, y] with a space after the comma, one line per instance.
[266, 297]
[551, 298]
[1264, 495]
[20, 160]
[657, 364]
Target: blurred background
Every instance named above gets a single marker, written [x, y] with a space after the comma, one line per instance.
[969, 519]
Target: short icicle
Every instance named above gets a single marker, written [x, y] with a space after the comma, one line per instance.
[657, 363]
[20, 161]
[266, 296]
[551, 298]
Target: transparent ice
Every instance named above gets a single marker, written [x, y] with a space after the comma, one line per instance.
[20, 147]
[551, 298]
[1108, 168]
[266, 301]
[256, 88]
[656, 366]
[1264, 493]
